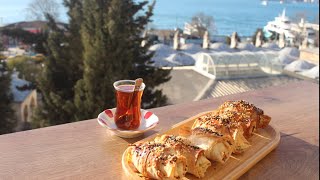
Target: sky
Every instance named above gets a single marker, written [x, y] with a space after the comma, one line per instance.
[15, 10]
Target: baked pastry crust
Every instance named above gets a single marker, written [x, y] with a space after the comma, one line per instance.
[242, 113]
[215, 135]
[218, 147]
[197, 163]
[157, 161]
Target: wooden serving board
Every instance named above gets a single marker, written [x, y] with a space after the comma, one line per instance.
[262, 143]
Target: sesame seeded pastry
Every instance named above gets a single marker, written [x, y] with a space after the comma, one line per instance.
[239, 117]
[157, 161]
[245, 114]
[196, 161]
[225, 126]
[218, 146]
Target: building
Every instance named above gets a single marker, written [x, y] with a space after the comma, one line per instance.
[217, 72]
[24, 100]
[32, 26]
[35, 27]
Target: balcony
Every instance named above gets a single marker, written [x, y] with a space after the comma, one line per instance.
[85, 150]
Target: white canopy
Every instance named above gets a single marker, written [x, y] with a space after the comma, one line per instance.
[270, 46]
[291, 51]
[246, 46]
[298, 66]
[235, 61]
[220, 47]
[161, 50]
[181, 59]
[311, 73]
[286, 59]
[191, 48]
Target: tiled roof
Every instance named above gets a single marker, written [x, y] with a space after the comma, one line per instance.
[184, 86]
[188, 85]
[233, 86]
[19, 95]
[32, 25]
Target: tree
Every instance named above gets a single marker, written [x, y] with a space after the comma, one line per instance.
[54, 82]
[1, 43]
[111, 39]
[74, 39]
[37, 9]
[28, 68]
[1, 47]
[201, 23]
[7, 120]
[62, 70]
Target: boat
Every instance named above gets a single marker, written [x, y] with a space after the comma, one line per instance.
[281, 24]
[264, 2]
[281, 2]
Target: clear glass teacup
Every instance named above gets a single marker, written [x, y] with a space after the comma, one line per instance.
[128, 110]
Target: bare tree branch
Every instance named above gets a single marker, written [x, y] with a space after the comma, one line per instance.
[202, 22]
[37, 9]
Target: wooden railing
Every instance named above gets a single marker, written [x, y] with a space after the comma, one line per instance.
[85, 150]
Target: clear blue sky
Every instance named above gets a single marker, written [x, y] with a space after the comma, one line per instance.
[15, 10]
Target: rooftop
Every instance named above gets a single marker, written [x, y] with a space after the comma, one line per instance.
[29, 25]
[188, 85]
[19, 95]
[233, 86]
[185, 85]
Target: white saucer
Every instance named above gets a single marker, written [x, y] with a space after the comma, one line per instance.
[148, 122]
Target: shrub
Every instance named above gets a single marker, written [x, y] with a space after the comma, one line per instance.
[27, 67]
[39, 58]
[2, 57]
[17, 62]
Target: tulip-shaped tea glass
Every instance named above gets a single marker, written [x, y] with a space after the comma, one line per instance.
[128, 97]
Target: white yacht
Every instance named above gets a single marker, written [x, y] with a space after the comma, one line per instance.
[264, 2]
[281, 24]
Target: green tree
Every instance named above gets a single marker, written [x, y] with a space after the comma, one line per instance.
[28, 68]
[74, 39]
[111, 36]
[54, 82]
[7, 120]
[1, 43]
[62, 70]
[1, 48]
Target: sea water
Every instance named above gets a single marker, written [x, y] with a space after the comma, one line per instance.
[242, 16]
